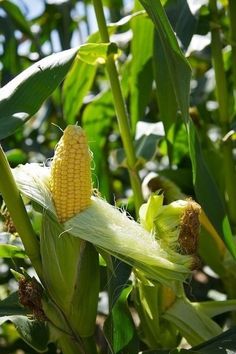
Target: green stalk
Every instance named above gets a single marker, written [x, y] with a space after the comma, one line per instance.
[16, 208]
[70, 346]
[121, 111]
[232, 17]
[224, 118]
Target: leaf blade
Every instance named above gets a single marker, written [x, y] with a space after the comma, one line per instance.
[22, 97]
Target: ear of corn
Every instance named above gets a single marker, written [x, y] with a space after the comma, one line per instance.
[70, 181]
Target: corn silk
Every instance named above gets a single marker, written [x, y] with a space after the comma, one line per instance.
[109, 229]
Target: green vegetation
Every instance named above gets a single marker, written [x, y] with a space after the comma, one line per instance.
[149, 265]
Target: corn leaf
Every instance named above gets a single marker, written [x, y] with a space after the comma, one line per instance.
[225, 343]
[195, 325]
[170, 59]
[80, 78]
[17, 17]
[77, 84]
[207, 192]
[145, 148]
[214, 308]
[22, 97]
[10, 306]
[182, 20]
[97, 121]
[11, 251]
[96, 53]
[141, 69]
[34, 333]
[119, 328]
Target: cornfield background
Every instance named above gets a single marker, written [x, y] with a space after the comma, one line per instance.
[176, 64]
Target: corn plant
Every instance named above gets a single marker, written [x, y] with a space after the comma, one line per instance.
[142, 258]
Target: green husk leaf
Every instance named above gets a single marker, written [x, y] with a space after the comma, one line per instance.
[122, 237]
[33, 181]
[195, 325]
[69, 265]
[109, 229]
[60, 256]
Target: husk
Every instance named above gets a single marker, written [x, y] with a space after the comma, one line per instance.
[69, 264]
[108, 228]
[33, 181]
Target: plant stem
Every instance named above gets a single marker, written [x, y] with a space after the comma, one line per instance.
[232, 17]
[224, 118]
[121, 111]
[16, 208]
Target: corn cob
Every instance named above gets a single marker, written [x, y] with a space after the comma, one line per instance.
[70, 180]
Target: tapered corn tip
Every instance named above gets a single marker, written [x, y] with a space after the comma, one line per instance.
[70, 180]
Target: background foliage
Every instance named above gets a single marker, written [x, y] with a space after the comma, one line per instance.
[189, 141]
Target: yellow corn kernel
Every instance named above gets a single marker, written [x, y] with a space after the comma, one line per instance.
[70, 180]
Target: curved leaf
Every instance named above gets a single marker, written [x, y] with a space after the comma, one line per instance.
[10, 306]
[141, 68]
[119, 327]
[207, 192]
[22, 97]
[17, 17]
[175, 66]
[11, 251]
[35, 333]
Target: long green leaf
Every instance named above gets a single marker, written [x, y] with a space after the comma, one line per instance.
[214, 308]
[119, 327]
[165, 94]
[207, 192]
[97, 122]
[141, 69]
[225, 343]
[176, 67]
[35, 333]
[11, 251]
[182, 20]
[193, 324]
[10, 306]
[22, 97]
[171, 72]
[77, 84]
[96, 53]
[80, 78]
[17, 17]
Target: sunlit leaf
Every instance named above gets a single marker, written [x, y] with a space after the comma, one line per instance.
[141, 73]
[11, 251]
[22, 97]
[76, 86]
[173, 64]
[96, 53]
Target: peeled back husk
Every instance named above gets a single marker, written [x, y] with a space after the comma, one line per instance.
[108, 228]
